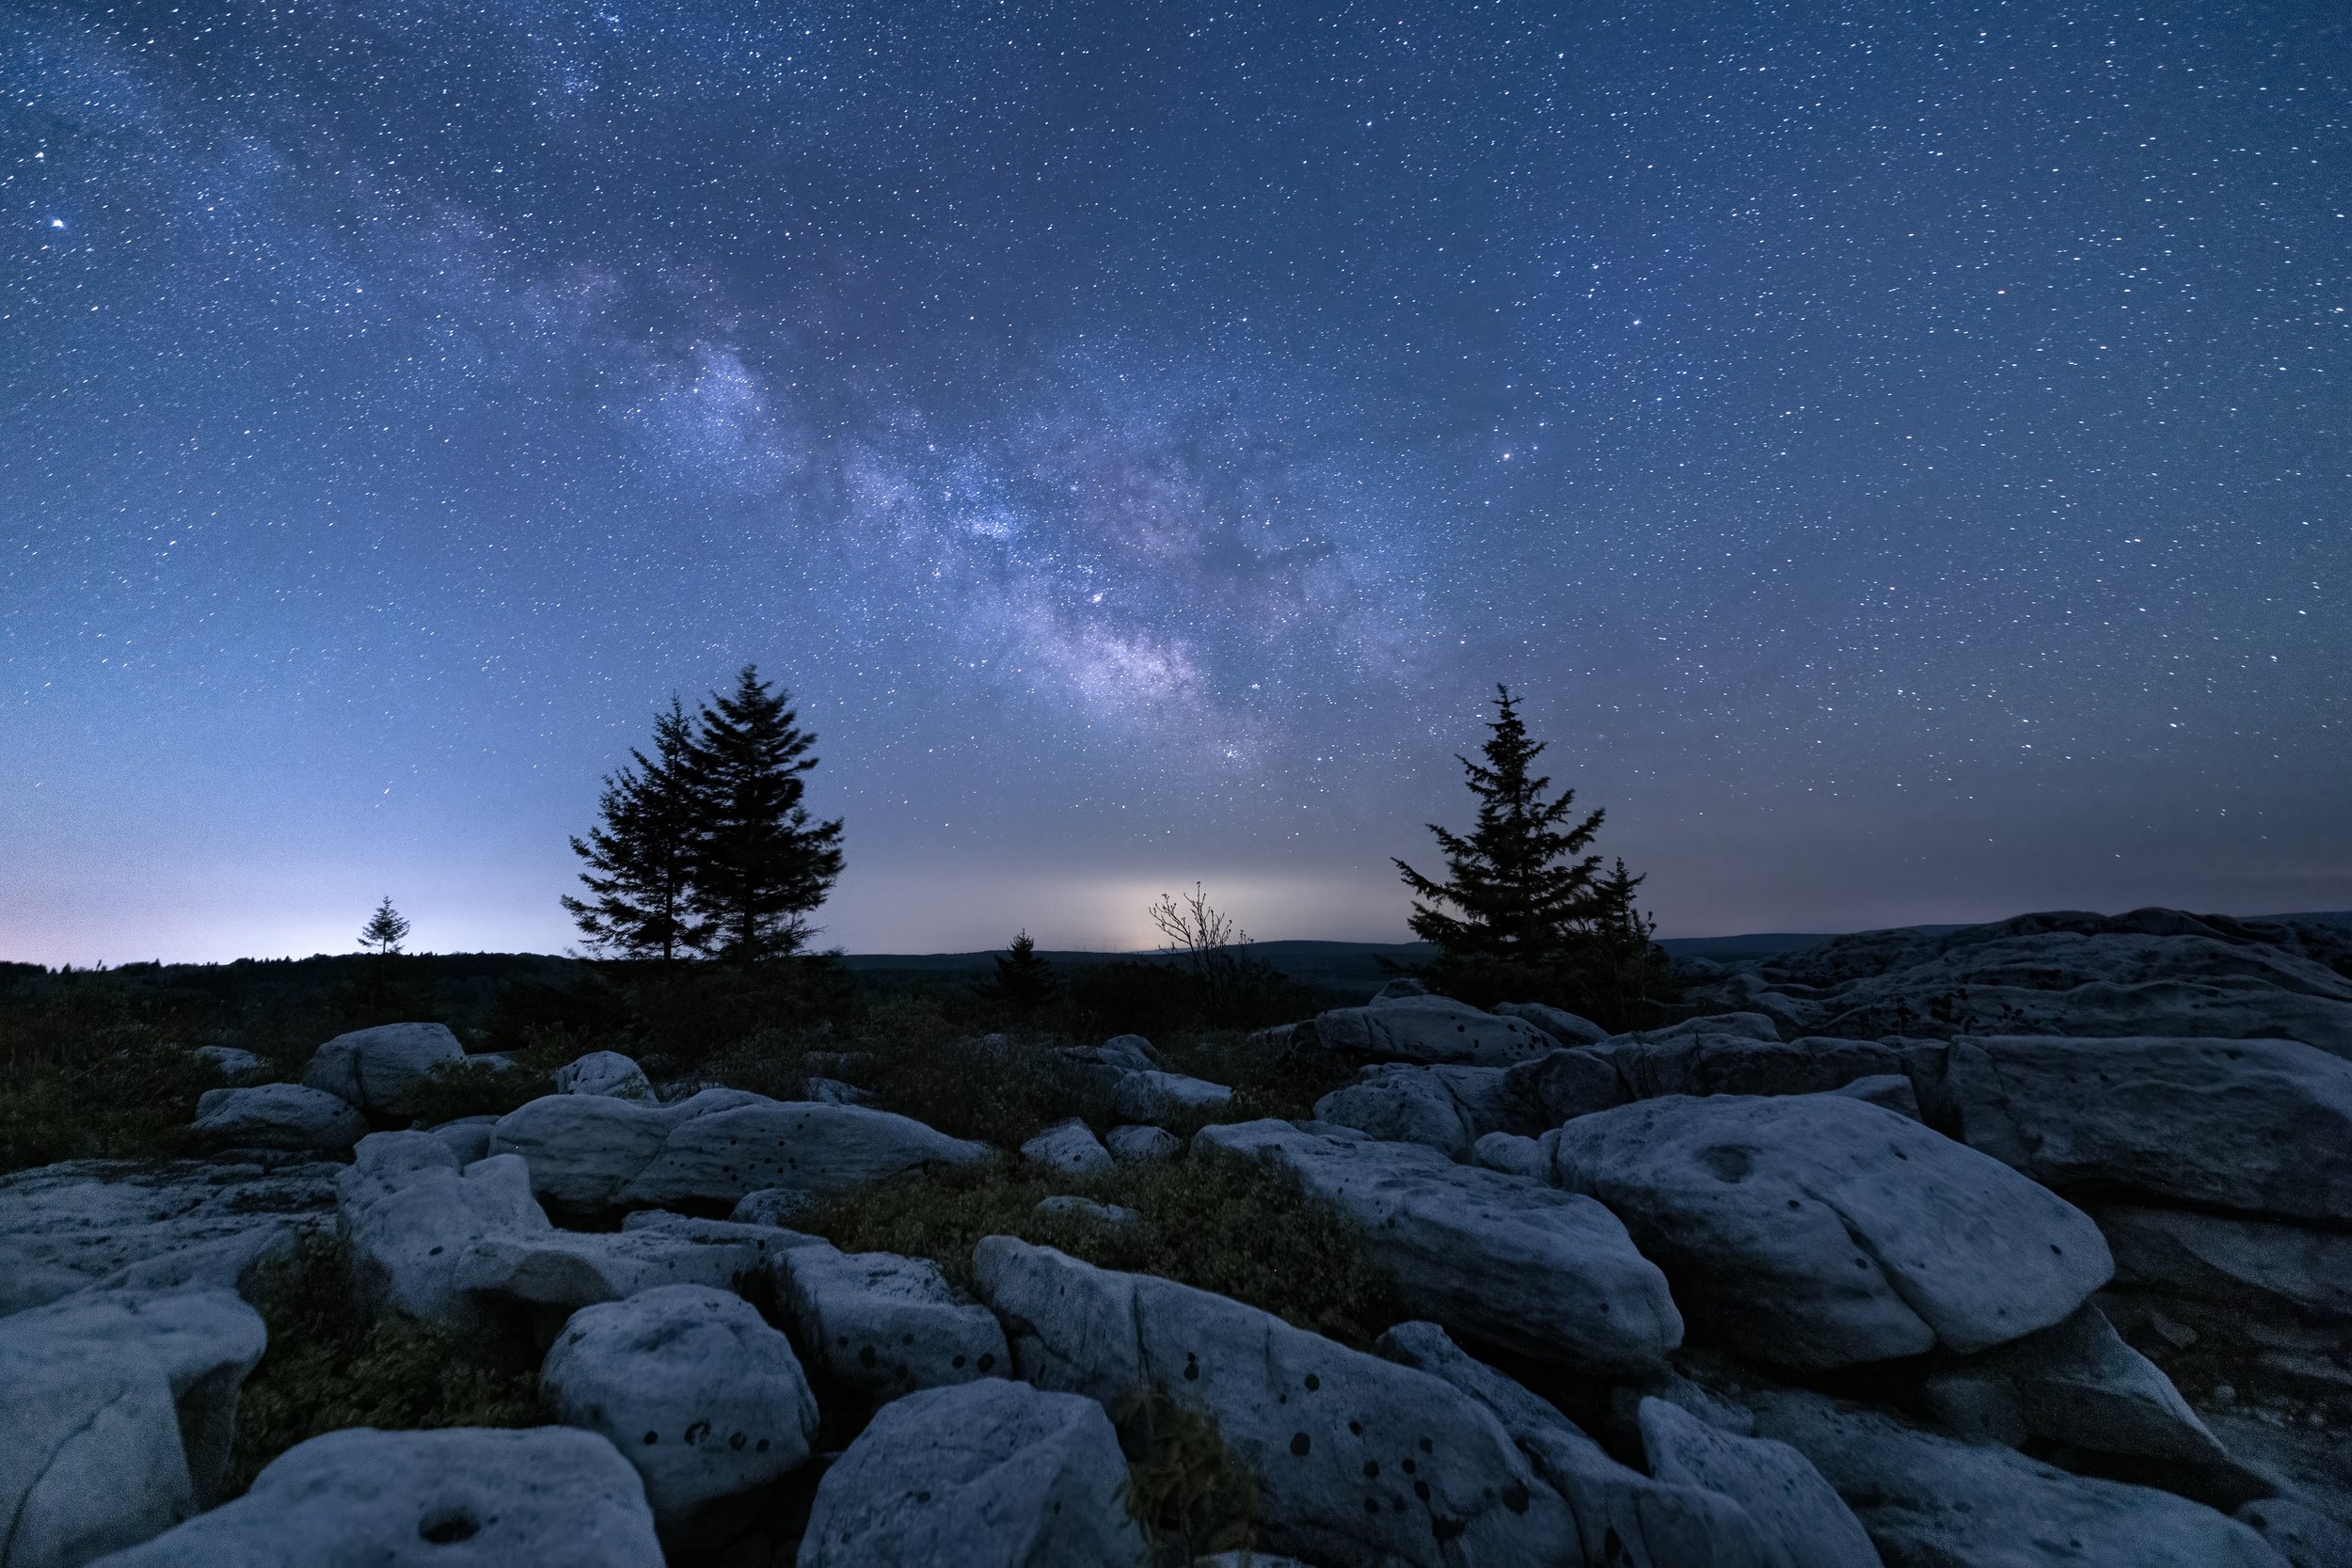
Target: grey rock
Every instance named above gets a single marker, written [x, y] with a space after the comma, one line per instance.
[832, 1091]
[1618, 1517]
[1087, 1209]
[1929, 1499]
[1888, 1091]
[1444, 1108]
[376, 1069]
[231, 1061]
[691, 1386]
[1161, 1096]
[2263, 1125]
[1428, 1030]
[1816, 1230]
[590, 1152]
[1499, 1259]
[1136, 1145]
[1803, 1521]
[982, 1474]
[461, 1498]
[468, 1137]
[1753, 1026]
[605, 1072]
[2227, 1265]
[120, 1409]
[149, 1223]
[885, 1325]
[1329, 1431]
[777, 1206]
[286, 1118]
[1130, 1051]
[1067, 1148]
[1561, 1025]
[2304, 1535]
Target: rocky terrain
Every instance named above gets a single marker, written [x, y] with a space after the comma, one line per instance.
[2024, 1245]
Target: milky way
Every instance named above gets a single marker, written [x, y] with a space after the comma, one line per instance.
[1900, 452]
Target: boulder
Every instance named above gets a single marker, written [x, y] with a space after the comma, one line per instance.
[704, 1398]
[461, 1498]
[832, 1091]
[2077, 1384]
[230, 1061]
[2230, 1266]
[2259, 1125]
[1445, 1108]
[988, 1474]
[149, 1223]
[1816, 1230]
[2304, 1535]
[884, 1325]
[121, 1406]
[468, 1137]
[440, 1242]
[1089, 1210]
[1890, 1091]
[1067, 1148]
[1618, 1517]
[1131, 1051]
[1499, 1259]
[590, 1152]
[1428, 1029]
[1135, 1144]
[1805, 1524]
[1162, 1096]
[775, 1206]
[1693, 1060]
[1929, 1499]
[605, 1072]
[1561, 1025]
[376, 1068]
[1359, 1459]
[286, 1118]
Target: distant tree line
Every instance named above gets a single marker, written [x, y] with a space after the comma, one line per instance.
[706, 848]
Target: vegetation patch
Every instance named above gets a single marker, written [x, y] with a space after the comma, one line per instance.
[1219, 1224]
[91, 1077]
[333, 1364]
[1192, 1496]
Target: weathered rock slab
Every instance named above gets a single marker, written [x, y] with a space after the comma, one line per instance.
[883, 1324]
[375, 1070]
[1428, 1029]
[287, 1117]
[605, 1072]
[1803, 1521]
[1067, 1148]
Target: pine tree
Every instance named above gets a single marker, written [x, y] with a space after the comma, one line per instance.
[761, 867]
[640, 857]
[1520, 887]
[1024, 981]
[385, 930]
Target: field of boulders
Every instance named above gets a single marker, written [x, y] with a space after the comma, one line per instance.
[2022, 1245]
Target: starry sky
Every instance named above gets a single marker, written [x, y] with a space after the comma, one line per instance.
[1898, 451]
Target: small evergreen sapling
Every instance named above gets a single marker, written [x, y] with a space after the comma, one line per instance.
[385, 930]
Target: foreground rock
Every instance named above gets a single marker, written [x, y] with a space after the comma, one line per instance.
[284, 1118]
[1445, 1108]
[2251, 1124]
[1816, 1230]
[1499, 1259]
[1122, 1080]
[376, 1070]
[117, 1411]
[1067, 1148]
[1929, 1499]
[548, 1498]
[694, 1390]
[592, 1152]
[1359, 1459]
[1138, 1145]
[1620, 1518]
[989, 1474]
[1428, 1029]
[884, 1325]
[151, 1223]
[1800, 1517]
[605, 1072]
[439, 1242]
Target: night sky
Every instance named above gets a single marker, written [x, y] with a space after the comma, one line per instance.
[1898, 451]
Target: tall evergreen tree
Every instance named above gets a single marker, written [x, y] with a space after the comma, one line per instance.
[1023, 980]
[386, 930]
[641, 856]
[1519, 886]
[761, 865]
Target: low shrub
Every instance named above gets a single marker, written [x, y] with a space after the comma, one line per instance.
[1219, 1224]
[996, 1088]
[476, 1088]
[1192, 1494]
[89, 1076]
[332, 1364]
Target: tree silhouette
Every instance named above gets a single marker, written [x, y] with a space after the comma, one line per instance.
[761, 867]
[385, 930]
[1024, 981]
[640, 856]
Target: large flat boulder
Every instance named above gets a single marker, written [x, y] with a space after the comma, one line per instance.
[1428, 1029]
[117, 1411]
[885, 1325]
[1618, 1517]
[1499, 1259]
[150, 1224]
[440, 1241]
[1817, 1230]
[1445, 1108]
[982, 1474]
[2259, 1125]
[1928, 1499]
[461, 1498]
[1359, 1459]
[595, 1152]
[704, 1398]
[285, 1118]
[605, 1072]
[375, 1070]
